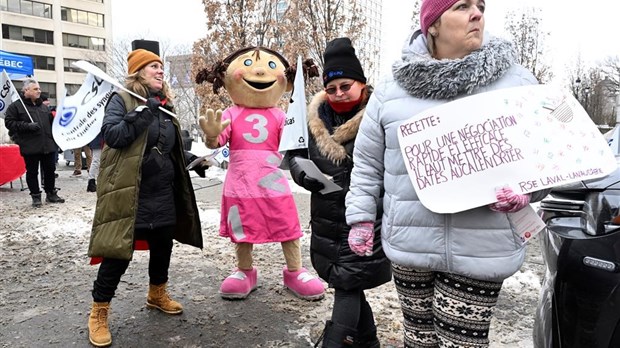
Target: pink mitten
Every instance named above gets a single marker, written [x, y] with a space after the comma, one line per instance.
[361, 238]
[508, 201]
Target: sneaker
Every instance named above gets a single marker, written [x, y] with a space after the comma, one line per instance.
[76, 173]
[239, 285]
[303, 284]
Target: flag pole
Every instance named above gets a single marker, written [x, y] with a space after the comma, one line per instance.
[19, 97]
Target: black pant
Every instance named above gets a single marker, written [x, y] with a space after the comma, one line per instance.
[353, 311]
[47, 162]
[111, 270]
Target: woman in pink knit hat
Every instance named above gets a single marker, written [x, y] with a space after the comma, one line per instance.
[448, 269]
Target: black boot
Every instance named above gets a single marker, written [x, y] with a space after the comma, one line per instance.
[337, 336]
[36, 200]
[367, 340]
[92, 186]
[52, 197]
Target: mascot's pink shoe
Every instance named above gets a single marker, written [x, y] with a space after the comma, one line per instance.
[239, 285]
[303, 284]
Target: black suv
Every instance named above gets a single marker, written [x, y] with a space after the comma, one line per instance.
[579, 303]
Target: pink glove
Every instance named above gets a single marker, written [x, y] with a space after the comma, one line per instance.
[508, 201]
[361, 238]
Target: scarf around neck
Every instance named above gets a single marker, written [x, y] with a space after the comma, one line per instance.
[425, 77]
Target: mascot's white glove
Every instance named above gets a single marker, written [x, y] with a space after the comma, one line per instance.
[212, 125]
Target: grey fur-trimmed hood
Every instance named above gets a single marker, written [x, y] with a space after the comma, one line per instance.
[425, 77]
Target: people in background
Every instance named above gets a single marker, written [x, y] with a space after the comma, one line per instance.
[93, 170]
[29, 122]
[45, 99]
[77, 156]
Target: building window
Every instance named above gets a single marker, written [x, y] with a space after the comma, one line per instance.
[72, 88]
[43, 63]
[26, 7]
[82, 17]
[13, 32]
[49, 88]
[86, 42]
[68, 65]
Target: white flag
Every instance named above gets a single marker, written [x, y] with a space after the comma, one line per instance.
[295, 133]
[8, 93]
[79, 117]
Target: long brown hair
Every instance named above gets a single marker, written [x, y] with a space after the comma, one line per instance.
[137, 83]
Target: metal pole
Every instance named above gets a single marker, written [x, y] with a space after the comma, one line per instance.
[617, 107]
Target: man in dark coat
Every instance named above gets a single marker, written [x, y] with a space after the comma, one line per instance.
[29, 122]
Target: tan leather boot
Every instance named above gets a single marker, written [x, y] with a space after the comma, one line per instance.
[98, 331]
[158, 298]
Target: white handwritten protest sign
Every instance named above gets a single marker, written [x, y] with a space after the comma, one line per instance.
[527, 138]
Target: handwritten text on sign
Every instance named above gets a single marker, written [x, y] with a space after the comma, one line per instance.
[527, 138]
[465, 151]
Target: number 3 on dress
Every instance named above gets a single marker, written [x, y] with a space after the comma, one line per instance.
[260, 124]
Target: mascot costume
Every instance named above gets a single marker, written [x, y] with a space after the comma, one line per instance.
[257, 203]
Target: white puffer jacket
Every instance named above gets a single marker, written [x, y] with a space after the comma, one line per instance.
[476, 243]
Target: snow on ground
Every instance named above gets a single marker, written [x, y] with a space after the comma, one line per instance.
[53, 225]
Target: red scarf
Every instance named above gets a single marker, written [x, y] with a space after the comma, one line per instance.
[344, 107]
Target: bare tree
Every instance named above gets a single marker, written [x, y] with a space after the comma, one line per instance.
[594, 88]
[415, 15]
[325, 20]
[525, 29]
[296, 27]
[177, 67]
[232, 25]
[575, 72]
[611, 67]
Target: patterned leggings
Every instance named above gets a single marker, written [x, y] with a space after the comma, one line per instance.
[444, 310]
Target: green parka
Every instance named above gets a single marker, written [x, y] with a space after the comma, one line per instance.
[118, 186]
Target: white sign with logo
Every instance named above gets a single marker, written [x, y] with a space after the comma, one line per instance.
[8, 93]
[527, 138]
[80, 116]
[295, 132]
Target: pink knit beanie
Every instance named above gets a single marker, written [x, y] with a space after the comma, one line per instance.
[431, 10]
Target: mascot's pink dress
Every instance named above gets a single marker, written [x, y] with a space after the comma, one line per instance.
[257, 203]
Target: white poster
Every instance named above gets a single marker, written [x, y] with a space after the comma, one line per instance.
[295, 133]
[527, 138]
[8, 93]
[79, 117]
[223, 154]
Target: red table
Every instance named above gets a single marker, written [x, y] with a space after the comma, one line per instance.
[12, 164]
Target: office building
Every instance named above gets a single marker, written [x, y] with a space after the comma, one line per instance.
[56, 33]
[368, 45]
